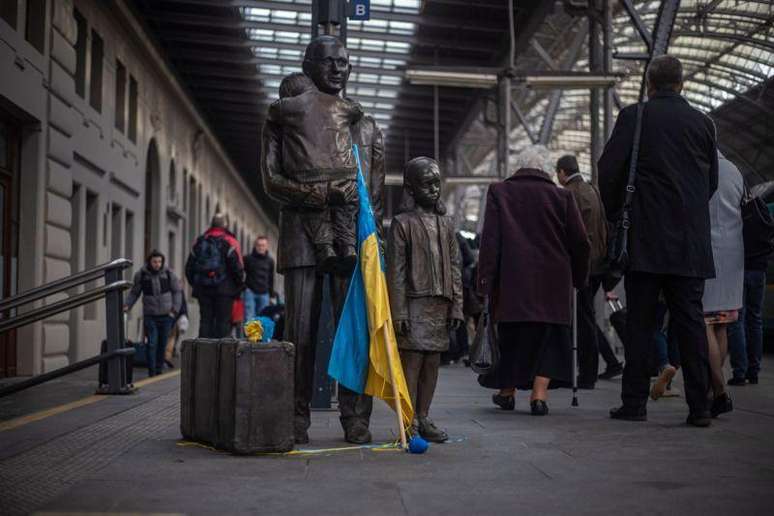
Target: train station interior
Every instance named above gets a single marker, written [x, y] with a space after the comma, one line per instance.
[128, 127]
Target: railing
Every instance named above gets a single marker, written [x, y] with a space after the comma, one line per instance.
[115, 356]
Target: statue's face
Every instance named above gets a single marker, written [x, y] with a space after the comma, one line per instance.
[328, 67]
[426, 186]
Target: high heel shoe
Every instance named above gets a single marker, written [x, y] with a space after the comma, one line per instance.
[539, 407]
[504, 402]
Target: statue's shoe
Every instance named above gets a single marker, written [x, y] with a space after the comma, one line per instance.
[357, 434]
[430, 432]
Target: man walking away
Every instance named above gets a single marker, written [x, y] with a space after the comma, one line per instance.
[216, 272]
[259, 278]
[669, 242]
[593, 214]
[162, 299]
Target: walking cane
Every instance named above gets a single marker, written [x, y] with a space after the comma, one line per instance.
[574, 347]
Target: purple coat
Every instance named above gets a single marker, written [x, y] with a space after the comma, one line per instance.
[534, 249]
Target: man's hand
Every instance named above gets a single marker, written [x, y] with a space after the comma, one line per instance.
[403, 327]
[126, 308]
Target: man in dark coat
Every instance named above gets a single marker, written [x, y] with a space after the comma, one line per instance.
[326, 62]
[669, 241]
[591, 341]
[259, 278]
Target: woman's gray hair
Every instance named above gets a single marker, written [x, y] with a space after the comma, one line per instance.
[533, 156]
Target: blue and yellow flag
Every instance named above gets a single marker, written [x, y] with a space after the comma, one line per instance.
[360, 359]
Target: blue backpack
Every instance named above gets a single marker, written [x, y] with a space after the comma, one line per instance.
[209, 266]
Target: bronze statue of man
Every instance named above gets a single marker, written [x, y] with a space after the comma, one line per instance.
[326, 63]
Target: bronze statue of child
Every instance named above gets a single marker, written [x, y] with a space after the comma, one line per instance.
[425, 283]
[317, 148]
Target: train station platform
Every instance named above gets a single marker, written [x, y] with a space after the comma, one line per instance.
[119, 455]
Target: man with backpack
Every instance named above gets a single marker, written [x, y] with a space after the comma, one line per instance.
[216, 272]
[162, 298]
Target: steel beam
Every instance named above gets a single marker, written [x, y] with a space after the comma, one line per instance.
[556, 96]
[520, 117]
[638, 23]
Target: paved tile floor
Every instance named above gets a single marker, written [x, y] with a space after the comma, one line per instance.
[121, 455]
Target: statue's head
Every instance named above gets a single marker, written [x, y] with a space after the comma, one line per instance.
[422, 185]
[326, 62]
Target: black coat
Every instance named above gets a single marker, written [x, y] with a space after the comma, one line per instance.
[259, 273]
[677, 173]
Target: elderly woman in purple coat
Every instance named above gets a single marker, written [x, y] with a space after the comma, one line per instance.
[534, 249]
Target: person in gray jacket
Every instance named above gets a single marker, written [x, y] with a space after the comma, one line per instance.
[162, 297]
[723, 295]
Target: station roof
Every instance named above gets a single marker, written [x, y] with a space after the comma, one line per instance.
[231, 54]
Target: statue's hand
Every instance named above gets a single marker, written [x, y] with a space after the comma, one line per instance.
[403, 327]
[455, 324]
[342, 192]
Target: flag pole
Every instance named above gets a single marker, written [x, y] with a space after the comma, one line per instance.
[395, 391]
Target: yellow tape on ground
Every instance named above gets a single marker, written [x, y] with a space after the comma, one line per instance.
[374, 447]
[43, 414]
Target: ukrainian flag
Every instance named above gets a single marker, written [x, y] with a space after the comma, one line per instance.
[365, 352]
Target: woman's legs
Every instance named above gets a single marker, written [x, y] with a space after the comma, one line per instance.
[540, 388]
[508, 392]
[715, 334]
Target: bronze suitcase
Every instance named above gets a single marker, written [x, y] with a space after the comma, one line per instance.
[237, 395]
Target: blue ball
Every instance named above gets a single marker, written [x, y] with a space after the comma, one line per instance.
[418, 445]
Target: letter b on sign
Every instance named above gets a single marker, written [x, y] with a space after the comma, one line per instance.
[360, 9]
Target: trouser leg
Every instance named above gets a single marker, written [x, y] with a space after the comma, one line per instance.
[152, 336]
[428, 379]
[642, 290]
[354, 408]
[344, 224]
[250, 299]
[206, 317]
[588, 350]
[755, 283]
[302, 314]
[223, 307]
[686, 320]
[412, 368]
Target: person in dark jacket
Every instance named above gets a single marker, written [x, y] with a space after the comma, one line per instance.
[162, 299]
[591, 341]
[534, 249]
[669, 246]
[259, 278]
[423, 271]
[215, 270]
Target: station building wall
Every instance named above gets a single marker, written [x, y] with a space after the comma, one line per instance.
[114, 160]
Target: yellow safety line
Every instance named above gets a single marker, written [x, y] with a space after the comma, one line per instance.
[43, 414]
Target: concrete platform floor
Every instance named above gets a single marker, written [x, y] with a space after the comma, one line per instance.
[121, 455]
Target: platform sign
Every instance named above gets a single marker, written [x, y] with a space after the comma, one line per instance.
[360, 9]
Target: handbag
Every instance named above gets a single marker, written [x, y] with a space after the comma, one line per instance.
[757, 227]
[484, 353]
[618, 245]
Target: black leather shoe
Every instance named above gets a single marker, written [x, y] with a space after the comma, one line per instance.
[699, 419]
[625, 413]
[611, 372]
[737, 381]
[721, 405]
[504, 402]
[357, 434]
[752, 379]
[539, 407]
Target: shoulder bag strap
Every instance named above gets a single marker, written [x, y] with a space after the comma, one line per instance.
[632, 168]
